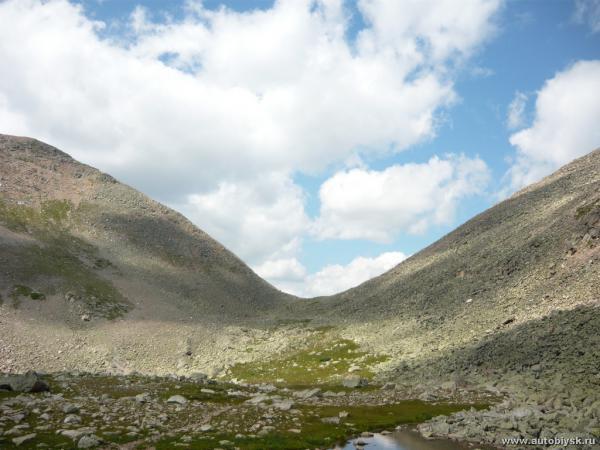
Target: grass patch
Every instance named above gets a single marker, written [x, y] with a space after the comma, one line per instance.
[314, 433]
[19, 291]
[586, 209]
[51, 217]
[55, 265]
[55, 211]
[324, 361]
[230, 419]
[62, 263]
[288, 322]
[193, 391]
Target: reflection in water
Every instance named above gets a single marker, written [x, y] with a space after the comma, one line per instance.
[402, 440]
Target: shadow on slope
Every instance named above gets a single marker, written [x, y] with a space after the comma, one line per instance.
[564, 342]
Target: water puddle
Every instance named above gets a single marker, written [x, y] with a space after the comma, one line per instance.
[404, 440]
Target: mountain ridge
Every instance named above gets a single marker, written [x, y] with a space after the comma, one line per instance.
[96, 277]
[528, 258]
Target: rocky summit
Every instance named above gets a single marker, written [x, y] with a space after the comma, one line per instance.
[145, 332]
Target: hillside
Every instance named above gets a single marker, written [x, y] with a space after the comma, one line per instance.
[95, 276]
[517, 286]
[80, 251]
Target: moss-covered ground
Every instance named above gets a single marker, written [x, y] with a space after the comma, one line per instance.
[58, 262]
[108, 404]
[324, 361]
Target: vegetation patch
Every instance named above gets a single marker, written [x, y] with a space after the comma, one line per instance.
[56, 266]
[19, 291]
[314, 432]
[323, 361]
[584, 210]
[50, 218]
[63, 263]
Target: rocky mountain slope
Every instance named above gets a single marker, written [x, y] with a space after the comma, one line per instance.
[83, 253]
[516, 287]
[95, 276]
[87, 255]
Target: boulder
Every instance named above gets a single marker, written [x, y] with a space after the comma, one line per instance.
[308, 393]
[440, 428]
[198, 377]
[72, 419]
[23, 439]
[177, 399]
[354, 381]
[283, 405]
[89, 441]
[70, 408]
[142, 398]
[259, 398]
[28, 382]
[450, 386]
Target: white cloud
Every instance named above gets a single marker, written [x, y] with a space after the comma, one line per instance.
[260, 219]
[588, 12]
[565, 125]
[378, 205]
[515, 117]
[290, 276]
[214, 112]
[281, 270]
[336, 278]
[275, 89]
[437, 29]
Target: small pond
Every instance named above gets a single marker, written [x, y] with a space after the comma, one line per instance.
[405, 440]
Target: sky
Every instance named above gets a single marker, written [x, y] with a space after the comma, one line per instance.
[322, 141]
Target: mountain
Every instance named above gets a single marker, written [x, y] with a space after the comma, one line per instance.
[81, 251]
[95, 276]
[517, 287]
[90, 260]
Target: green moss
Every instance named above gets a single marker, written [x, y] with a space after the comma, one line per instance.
[323, 361]
[16, 217]
[193, 391]
[287, 322]
[20, 290]
[314, 433]
[60, 262]
[56, 211]
[56, 266]
[586, 209]
[7, 394]
[51, 216]
[37, 296]
[52, 440]
[109, 385]
[101, 263]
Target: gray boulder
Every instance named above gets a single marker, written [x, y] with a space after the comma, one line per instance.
[28, 382]
[198, 377]
[354, 381]
[177, 399]
[72, 419]
[143, 397]
[89, 441]
[283, 405]
[308, 393]
[70, 408]
[23, 439]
